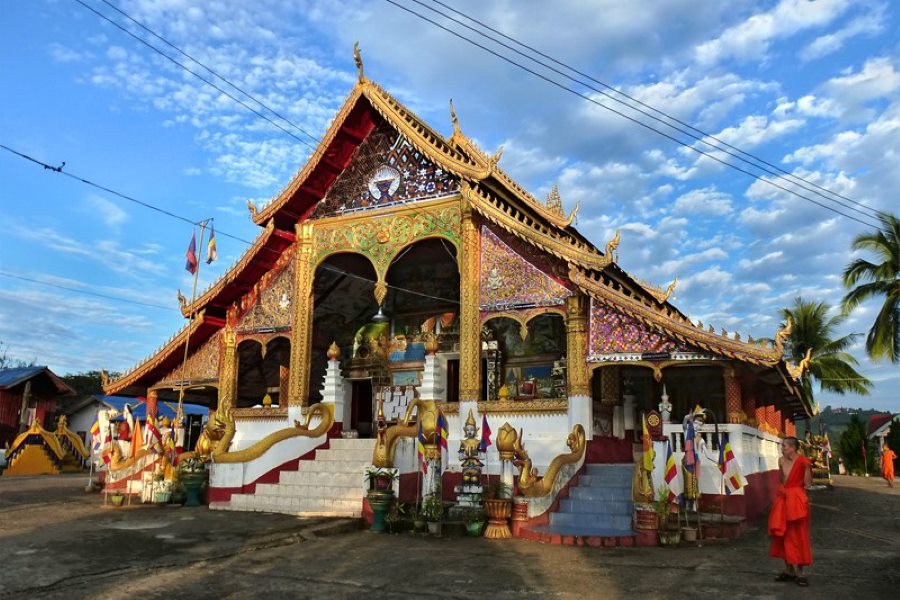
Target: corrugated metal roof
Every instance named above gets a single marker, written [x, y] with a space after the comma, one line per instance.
[139, 407]
[14, 376]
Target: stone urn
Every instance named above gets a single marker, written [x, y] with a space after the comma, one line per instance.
[498, 511]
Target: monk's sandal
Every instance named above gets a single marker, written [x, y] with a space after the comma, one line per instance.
[786, 577]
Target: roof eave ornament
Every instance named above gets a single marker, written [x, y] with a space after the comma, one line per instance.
[611, 246]
[796, 372]
[254, 211]
[457, 131]
[783, 335]
[357, 58]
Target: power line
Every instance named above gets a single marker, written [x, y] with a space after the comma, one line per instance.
[89, 293]
[59, 170]
[198, 76]
[639, 102]
[218, 75]
[630, 118]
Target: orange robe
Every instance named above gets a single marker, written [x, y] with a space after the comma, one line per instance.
[887, 464]
[789, 519]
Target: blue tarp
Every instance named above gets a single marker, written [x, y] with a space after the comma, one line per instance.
[139, 409]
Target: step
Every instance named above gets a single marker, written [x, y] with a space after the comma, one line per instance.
[345, 454]
[596, 521]
[583, 531]
[322, 478]
[352, 444]
[610, 468]
[334, 466]
[615, 507]
[306, 506]
[600, 494]
[605, 479]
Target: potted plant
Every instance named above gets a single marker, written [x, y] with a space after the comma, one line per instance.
[474, 519]
[396, 516]
[498, 505]
[162, 490]
[418, 518]
[380, 495]
[117, 498]
[192, 473]
[433, 511]
[668, 535]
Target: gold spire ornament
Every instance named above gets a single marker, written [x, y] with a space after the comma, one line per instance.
[470, 420]
[357, 58]
[334, 351]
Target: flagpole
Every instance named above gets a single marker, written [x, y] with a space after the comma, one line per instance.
[179, 415]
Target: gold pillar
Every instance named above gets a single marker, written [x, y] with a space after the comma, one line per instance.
[577, 375]
[152, 404]
[228, 373]
[469, 300]
[733, 409]
[301, 319]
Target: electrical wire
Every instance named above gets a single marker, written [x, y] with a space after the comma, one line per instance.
[703, 134]
[59, 170]
[630, 118]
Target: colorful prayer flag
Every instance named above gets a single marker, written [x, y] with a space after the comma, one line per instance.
[826, 447]
[485, 435]
[154, 437]
[211, 252]
[441, 431]
[690, 450]
[95, 436]
[420, 449]
[191, 255]
[673, 479]
[728, 465]
[137, 439]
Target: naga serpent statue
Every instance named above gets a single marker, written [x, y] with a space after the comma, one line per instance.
[386, 437]
[529, 485]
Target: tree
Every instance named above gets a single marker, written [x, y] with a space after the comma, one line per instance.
[881, 281]
[7, 362]
[851, 444]
[84, 384]
[830, 365]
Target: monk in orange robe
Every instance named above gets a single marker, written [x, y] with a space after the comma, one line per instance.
[789, 518]
[887, 464]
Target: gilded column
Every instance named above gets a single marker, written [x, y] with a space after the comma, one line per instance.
[228, 372]
[577, 375]
[301, 319]
[733, 409]
[469, 318]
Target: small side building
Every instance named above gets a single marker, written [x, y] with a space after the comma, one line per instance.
[28, 394]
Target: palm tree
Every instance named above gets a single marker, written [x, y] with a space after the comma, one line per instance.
[830, 365]
[881, 281]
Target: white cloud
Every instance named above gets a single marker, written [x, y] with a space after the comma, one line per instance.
[63, 54]
[869, 24]
[706, 201]
[108, 212]
[753, 38]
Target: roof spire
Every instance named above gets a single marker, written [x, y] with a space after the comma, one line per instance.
[357, 57]
[454, 119]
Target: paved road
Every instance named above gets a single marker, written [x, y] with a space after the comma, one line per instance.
[58, 542]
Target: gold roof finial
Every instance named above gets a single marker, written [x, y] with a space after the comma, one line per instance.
[612, 244]
[470, 420]
[254, 211]
[454, 119]
[554, 201]
[357, 58]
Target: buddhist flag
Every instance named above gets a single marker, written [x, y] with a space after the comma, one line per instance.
[420, 449]
[648, 446]
[442, 431]
[485, 434]
[728, 465]
[826, 447]
[690, 450]
[191, 255]
[95, 436]
[211, 252]
[154, 437]
[137, 440]
[673, 479]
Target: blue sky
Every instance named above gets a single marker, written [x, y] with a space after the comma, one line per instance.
[812, 87]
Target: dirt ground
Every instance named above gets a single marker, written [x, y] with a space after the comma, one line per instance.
[56, 541]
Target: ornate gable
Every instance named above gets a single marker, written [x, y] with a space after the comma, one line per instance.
[614, 332]
[385, 169]
[508, 280]
[202, 365]
[268, 304]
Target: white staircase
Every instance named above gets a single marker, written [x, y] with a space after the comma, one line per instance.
[331, 485]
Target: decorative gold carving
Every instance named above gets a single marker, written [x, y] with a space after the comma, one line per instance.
[254, 212]
[268, 303]
[182, 301]
[537, 406]
[69, 440]
[782, 336]
[454, 120]
[334, 351]
[529, 485]
[298, 430]
[469, 299]
[516, 222]
[431, 344]
[797, 371]
[577, 375]
[381, 290]
[386, 437]
[661, 295]
[554, 206]
[357, 58]
[260, 414]
[506, 442]
[403, 226]
[202, 364]
[301, 328]
[522, 317]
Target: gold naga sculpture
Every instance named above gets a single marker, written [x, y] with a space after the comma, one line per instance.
[386, 437]
[529, 485]
[797, 371]
[70, 441]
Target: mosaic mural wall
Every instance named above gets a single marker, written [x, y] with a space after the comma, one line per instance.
[613, 332]
[508, 280]
[385, 170]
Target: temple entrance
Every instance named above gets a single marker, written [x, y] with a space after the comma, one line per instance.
[530, 365]
[263, 370]
[361, 412]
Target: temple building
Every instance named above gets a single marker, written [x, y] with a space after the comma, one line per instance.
[401, 275]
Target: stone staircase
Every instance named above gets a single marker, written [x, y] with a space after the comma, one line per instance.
[597, 512]
[331, 485]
